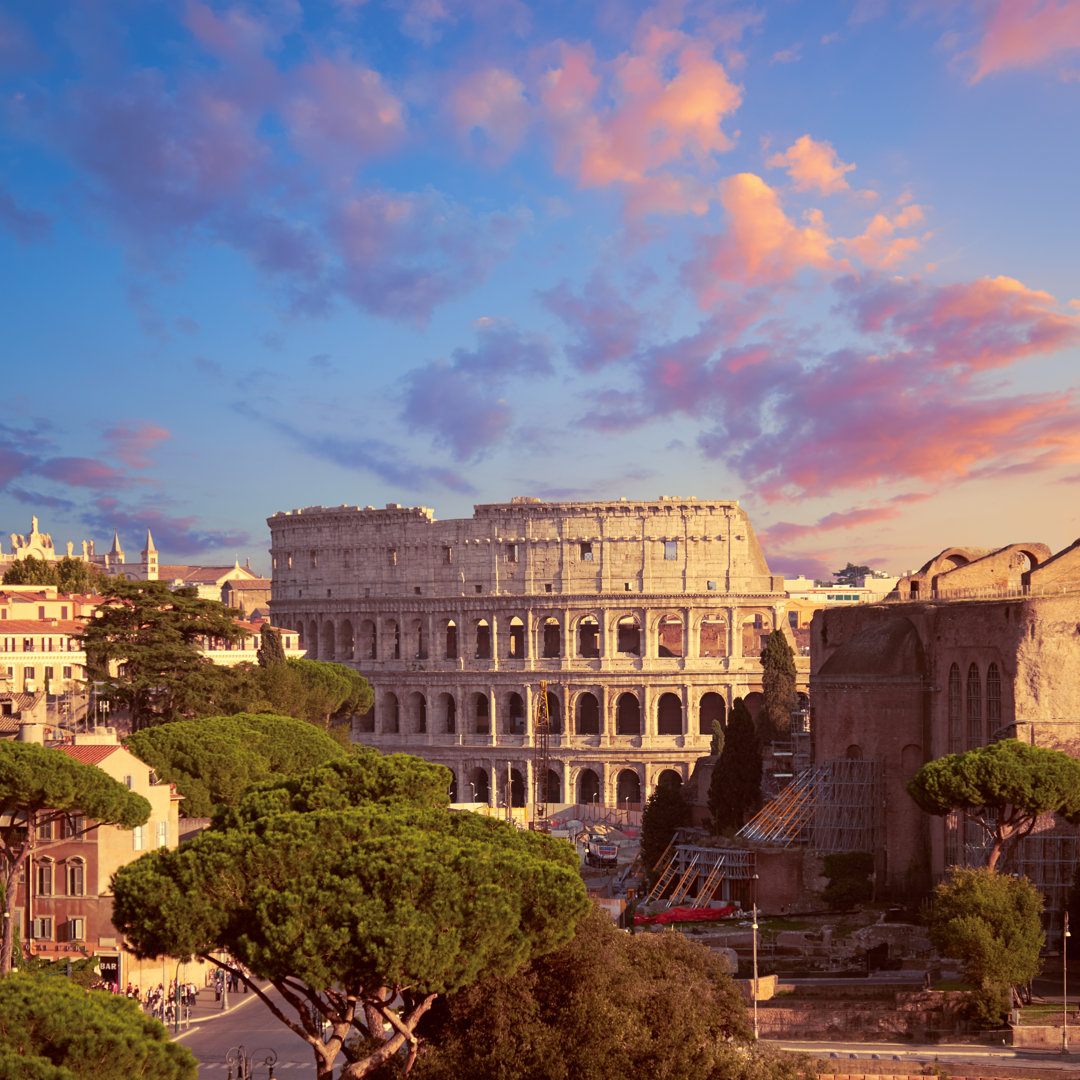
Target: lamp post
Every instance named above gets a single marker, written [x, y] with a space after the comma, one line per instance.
[1065, 987]
[754, 928]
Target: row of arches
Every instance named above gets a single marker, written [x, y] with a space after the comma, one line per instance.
[477, 716]
[969, 703]
[585, 637]
[478, 785]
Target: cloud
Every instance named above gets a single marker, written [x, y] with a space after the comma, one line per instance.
[490, 101]
[27, 226]
[1024, 34]
[461, 402]
[132, 445]
[812, 165]
[791, 55]
[84, 472]
[606, 327]
[174, 534]
[761, 246]
[785, 532]
[879, 246]
[641, 121]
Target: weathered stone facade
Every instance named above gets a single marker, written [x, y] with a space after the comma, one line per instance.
[978, 645]
[644, 618]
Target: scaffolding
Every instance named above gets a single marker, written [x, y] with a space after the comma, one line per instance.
[701, 872]
[834, 806]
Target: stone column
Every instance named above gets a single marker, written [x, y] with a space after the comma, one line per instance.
[735, 633]
[644, 636]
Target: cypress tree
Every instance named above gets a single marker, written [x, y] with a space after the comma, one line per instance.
[778, 687]
[271, 652]
[735, 790]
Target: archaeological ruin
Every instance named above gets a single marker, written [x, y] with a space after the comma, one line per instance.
[644, 618]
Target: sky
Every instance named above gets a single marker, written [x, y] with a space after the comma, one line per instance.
[819, 256]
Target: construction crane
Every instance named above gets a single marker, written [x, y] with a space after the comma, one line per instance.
[541, 759]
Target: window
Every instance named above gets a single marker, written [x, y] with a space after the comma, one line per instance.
[63, 612]
[626, 586]
[138, 838]
[416, 589]
[42, 929]
[129, 781]
[75, 827]
[67, 672]
[50, 672]
[955, 737]
[76, 929]
[711, 586]
[449, 552]
[671, 550]
[511, 553]
[479, 588]
[586, 551]
[43, 879]
[41, 612]
[163, 834]
[314, 559]
[76, 878]
[45, 831]
[547, 587]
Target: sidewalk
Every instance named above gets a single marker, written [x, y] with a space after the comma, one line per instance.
[207, 1008]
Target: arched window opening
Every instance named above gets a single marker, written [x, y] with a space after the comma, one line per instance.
[346, 642]
[369, 645]
[993, 702]
[517, 639]
[481, 715]
[588, 638]
[554, 714]
[628, 715]
[418, 712]
[628, 636]
[628, 789]
[451, 640]
[554, 791]
[453, 788]
[480, 786]
[517, 788]
[588, 787]
[713, 636]
[313, 640]
[391, 715]
[669, 778]
[974, 708]
[393, 640]
[588, 715]
[671, 636]
[956, 742]
[515, 715]
[483, 640]
[419, 642]
[552, 638]
[447, 713]
[669, 719]
[712, 708]
[853, 752]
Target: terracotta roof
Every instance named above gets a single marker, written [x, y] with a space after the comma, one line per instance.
[42, 626]
[88, 755]
[9, 725]
[211, 574]
[249, 583]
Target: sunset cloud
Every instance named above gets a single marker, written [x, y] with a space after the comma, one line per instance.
[880, 246]
[133, 445]
[812, 166]
[491, 101]
[607, 329]
[1026, 33]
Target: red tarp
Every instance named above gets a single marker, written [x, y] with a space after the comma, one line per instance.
[686, 914]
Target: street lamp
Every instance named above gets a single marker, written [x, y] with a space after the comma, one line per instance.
[754, 928]
[1065, 987]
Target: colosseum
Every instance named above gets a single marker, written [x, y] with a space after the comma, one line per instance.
[644, 618]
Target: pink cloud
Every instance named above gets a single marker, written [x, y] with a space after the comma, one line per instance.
[132, 445]
[83, 472]
[492, 101]
[607, 327]
[785, 532]
[879, 246]
[812, 165]
[762, 246]
[787, 56]
[1025, 33]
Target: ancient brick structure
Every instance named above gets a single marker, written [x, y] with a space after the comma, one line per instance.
[644, 618]
[978, 645]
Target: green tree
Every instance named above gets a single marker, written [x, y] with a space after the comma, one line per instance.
[68, 574]
[851, 574]
[214, 760]
[359, 913]
[1002, 788]
[148, 634]
[992, 922]
[52, 1029]
[735, 788]
[778, 687]
[604, 1005]
[716, 743]
[271, 651]
[665, 811]
[39, 786]
[849, 879]
[330, 690]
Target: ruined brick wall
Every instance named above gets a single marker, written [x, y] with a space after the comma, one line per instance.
[635, 613]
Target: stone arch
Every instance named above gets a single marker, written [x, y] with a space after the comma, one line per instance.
[712, 636]
[587, 710]
[551, 638]
[453, 787]
[418, 640]
[953, 710]
[450, 639]
[554, 713]
[346, 640]
[391, 636]
[446, 713]
[391, 714]
[911, 759]
[711, 707]
[993, 701]
[481, 714]
[756, 625]
[628, 788]
[327, 648]
[588, 787]
[515, 648]
[628, 715]
[369, 641]
[974, 707]
[754, 702]
[515, 715]
[417, 713]
[483, 639]
[554, 792]
[669, 715]
[312, 640]
[669, 633]
[669, 778]
[588, 637]
[854, 752]
[480, 786]
[517, 788]
[628, 635]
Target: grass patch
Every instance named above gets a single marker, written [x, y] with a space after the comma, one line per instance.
[1045, 1015]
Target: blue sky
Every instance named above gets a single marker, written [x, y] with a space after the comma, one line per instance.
[816, 256]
